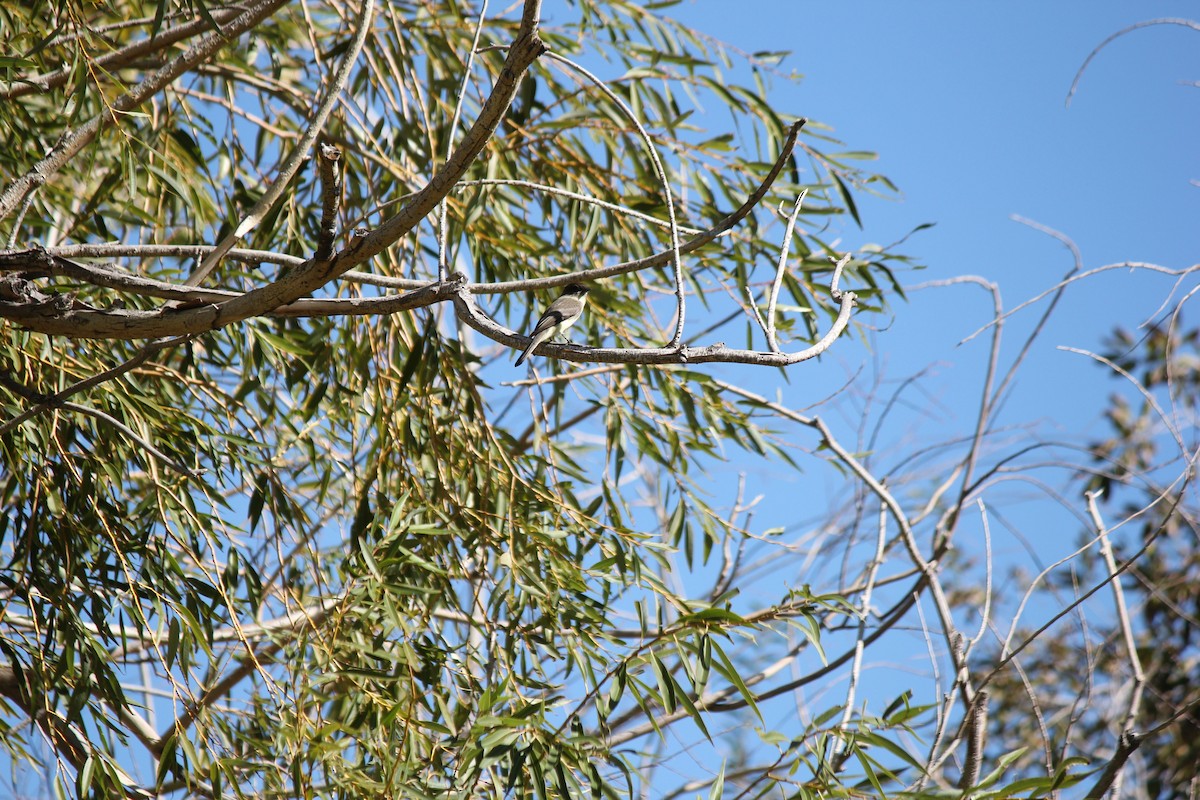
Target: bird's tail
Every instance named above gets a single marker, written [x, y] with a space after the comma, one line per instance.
[521, 359]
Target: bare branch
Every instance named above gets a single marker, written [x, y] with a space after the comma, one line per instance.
[864, 612]
[39, 261]
[470, 314]
[1135, 661]
[1128, 265]
[1170, 426]
[784, 249]
[1128, 745]
[976, 735]
[331, 195]
[1187, 23]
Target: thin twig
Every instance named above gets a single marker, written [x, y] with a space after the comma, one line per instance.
[1135, 661]
[864, 612]
[582, 198]
[125, 429]
[563, 377]
[1187, 23]
[784, 250]
[985, 615]
[117, 250]
[753, 306]
[942, 709]
[1170, 426]
[16, 228]
[1047, 313]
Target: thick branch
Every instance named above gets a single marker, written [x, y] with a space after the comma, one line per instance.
[976, 736]
[38, 262]
[1129, 744]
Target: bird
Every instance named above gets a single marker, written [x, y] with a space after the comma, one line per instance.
[561, 315]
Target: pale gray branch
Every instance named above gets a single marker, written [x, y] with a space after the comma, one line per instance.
[470, 314]
[784, 250]
[1187, 23]
[1135, 661]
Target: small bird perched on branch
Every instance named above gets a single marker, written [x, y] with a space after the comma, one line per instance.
[561, 315]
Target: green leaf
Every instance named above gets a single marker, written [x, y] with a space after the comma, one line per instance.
[847, 198]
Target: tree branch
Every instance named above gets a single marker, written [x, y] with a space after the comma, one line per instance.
[785, 248]
[161, 41]
[470, 314]
[331, 195]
